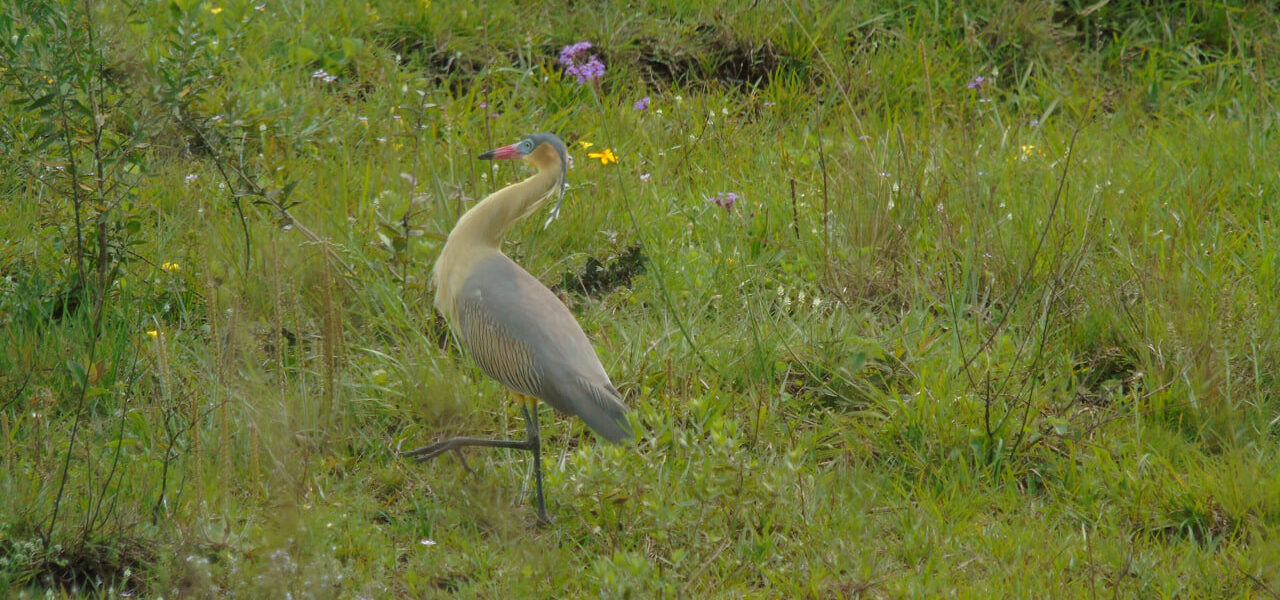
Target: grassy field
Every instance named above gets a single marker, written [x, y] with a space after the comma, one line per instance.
[995, 312]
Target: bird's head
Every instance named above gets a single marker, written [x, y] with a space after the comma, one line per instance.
[540, 151]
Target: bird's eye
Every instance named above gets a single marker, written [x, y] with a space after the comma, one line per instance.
[526, 146]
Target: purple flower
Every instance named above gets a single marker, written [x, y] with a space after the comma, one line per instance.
[724, 200]
[641, 104]
[977, 83]
[644, 177]
[571, 52]
[584, 69]
[591, 70]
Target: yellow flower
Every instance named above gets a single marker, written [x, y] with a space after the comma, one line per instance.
[1028, 150]
[215, 10]
[584, 144]
[605, 157]
[153, 333]
[170, 266]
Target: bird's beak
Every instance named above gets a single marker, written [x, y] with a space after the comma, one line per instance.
[505, 152]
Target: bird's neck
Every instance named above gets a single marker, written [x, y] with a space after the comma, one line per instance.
[489, 221]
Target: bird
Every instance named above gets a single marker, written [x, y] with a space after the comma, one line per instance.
[515, 329]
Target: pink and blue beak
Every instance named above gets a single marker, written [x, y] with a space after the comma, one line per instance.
[505, 152]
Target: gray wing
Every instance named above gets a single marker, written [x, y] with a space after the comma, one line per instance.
[520, 334]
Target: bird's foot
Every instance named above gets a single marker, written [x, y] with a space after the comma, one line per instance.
[544, 520]
[463, 459]
[426, 453]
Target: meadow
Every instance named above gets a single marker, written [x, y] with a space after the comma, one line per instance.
[914, 298]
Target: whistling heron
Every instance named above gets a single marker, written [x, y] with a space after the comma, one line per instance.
[518, 332]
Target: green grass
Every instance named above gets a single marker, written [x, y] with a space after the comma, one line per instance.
[1017, 341]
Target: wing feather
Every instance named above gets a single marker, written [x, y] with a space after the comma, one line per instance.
[520, 334]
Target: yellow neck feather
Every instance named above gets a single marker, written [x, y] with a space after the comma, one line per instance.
[489, 221]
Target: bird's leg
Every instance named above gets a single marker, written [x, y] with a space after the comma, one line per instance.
[530, 408]
[426, 453]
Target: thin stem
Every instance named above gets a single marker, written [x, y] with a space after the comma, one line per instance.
[1035, 253]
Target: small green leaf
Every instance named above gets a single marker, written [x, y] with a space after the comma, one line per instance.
[302, 55]
[41, 101]
[77, 372]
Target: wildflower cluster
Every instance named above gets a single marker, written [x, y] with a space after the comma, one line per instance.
[580, 65]
[724, 200]
[784, 297]
[324, 76]
[1028, 151]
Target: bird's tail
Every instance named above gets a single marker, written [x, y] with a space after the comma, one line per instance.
[604, 412]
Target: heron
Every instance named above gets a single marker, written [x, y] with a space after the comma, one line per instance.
[515, 329]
